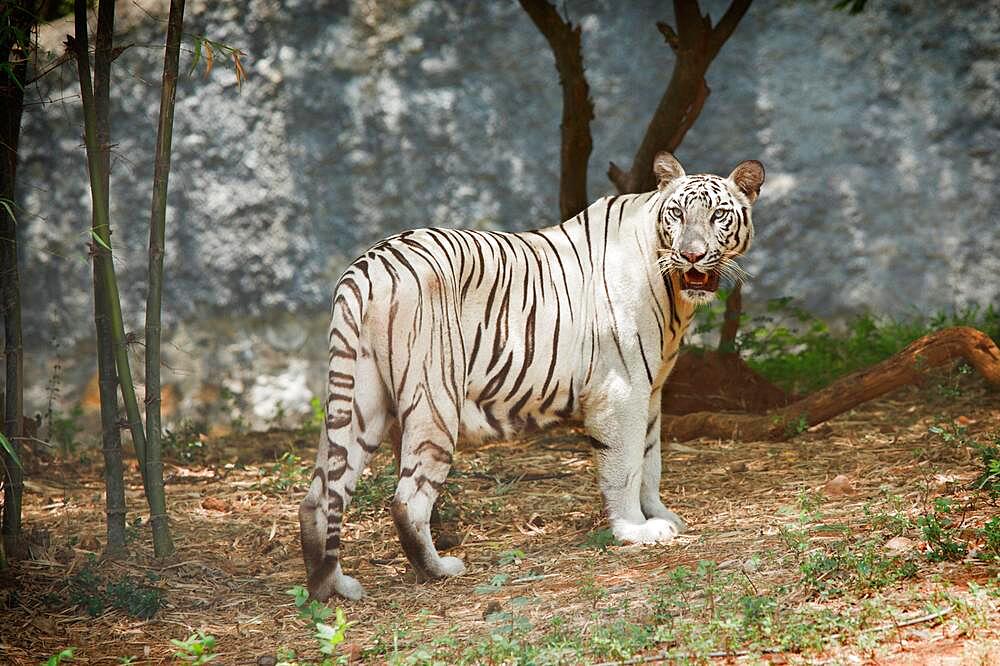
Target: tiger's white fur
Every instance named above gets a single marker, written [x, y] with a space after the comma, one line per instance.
[453, 334]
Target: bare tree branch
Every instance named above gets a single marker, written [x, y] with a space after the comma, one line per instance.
[696, 43]
[727, 24]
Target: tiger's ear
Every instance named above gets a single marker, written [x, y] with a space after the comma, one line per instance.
[748, 176]
[667, 169]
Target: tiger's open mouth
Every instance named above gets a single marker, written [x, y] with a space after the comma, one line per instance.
[695, 279]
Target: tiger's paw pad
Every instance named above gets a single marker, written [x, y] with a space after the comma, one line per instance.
[654, 530]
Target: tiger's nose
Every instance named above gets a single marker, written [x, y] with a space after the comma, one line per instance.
[693, 257]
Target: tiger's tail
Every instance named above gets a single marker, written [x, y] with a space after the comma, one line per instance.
[351, 432]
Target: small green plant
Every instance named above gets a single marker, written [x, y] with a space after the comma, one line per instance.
[317, 415]
[64, 429]
[94, 594]
[991, 539]
[286, 657]
[309, 609]
[186, 442]
[797, 426]
[591, 591]
[939, 531]
[330, 636]
[989, 479]
[842, 569]
[375, 489]
[510, 557]
[58, 658]
[494, 585]
[288, 473]
[601, 539]
[197, 649]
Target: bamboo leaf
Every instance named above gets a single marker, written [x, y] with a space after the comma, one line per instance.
[197, 54]
[241, 74]
[209, 58]
[100, 241]
[6, 67]
[9, 207]
[6, 445]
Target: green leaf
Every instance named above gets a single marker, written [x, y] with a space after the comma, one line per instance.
[9, 448]
[197, 54]
[9, 207]
[100, 241]
[6, 67]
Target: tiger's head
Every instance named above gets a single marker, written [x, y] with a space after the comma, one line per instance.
[704, 224]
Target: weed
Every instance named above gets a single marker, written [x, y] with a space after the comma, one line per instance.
[375, 489]
[63, 655]
[494, 585]
[330, 636]
[90, 591]
[840, 570]
[601, 539]
[989, 478]
[309, 609]
[187, 441]
[64, 429]
[939, 531]
[591, 591]
[288, 473]
[197, 649]
[895, 523]
[317, 415]
[510, 557]
[991, 539]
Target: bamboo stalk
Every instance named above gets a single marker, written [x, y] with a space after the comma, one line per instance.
[111, 443]
[102, 235]
[162, 543]
[21, 16]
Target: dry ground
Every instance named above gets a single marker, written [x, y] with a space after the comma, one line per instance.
[237, 545]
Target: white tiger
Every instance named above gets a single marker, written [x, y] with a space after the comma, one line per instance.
[453, 334]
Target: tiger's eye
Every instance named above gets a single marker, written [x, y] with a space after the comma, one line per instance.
[676, 212]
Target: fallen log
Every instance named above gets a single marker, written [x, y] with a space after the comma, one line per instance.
[910, 366]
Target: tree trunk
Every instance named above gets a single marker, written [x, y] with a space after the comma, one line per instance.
[20, 19]
[731, 321]
[578, 110]
[111, 444]
[909, 366]
[162, 543]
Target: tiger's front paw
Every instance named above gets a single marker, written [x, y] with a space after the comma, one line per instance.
[654, 530]
[657, 510]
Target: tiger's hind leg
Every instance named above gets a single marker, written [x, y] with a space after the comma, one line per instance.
[425, 461]
[357, 412]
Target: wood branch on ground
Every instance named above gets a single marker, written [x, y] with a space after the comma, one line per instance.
[910, 366]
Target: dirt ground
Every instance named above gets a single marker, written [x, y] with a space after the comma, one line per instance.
[235, 528]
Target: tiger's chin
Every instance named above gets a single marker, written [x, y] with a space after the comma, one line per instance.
[698, 287]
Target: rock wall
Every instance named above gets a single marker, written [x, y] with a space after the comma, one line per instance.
[880, 134]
